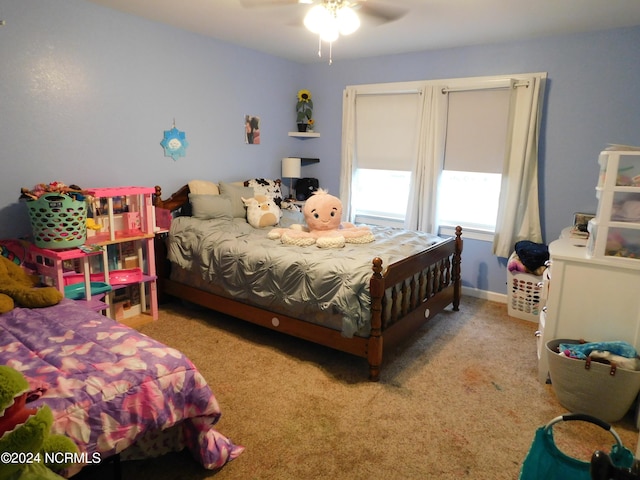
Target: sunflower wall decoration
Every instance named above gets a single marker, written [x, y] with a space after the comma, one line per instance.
[174, 143]
[304, 110]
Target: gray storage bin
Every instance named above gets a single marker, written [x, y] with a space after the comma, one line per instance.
[593, 391]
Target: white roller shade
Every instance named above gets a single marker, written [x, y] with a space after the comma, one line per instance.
[387, 130]
[477, 130]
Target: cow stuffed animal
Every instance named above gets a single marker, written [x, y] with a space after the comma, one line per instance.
[262, 211]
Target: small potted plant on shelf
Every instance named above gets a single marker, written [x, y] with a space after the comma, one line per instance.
[304, 109]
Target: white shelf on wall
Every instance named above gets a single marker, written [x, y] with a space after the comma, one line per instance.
[304, 134]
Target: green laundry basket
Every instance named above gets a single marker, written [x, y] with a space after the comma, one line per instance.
[58, 221]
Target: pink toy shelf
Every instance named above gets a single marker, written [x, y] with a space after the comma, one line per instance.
[123, 213]
[50, 266]
[123, 218]
[116, 277]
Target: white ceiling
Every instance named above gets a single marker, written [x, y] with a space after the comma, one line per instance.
[429, 24]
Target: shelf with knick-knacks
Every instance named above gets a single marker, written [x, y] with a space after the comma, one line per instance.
[304, 134]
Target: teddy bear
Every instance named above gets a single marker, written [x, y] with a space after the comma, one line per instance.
[29, 449]
[262, 211]
[18, 287]
[323, 213]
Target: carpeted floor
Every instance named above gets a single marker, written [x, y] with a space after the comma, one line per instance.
[459, 401]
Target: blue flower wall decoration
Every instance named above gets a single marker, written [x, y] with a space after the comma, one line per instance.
[174, 143]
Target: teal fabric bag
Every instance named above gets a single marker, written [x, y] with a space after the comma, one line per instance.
[545, 461]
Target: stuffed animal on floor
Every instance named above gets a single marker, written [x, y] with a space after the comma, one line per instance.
[18, 287]
[323, 213]
[262, 211]
[25, 439]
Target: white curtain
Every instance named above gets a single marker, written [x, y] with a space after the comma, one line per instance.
[421, 209]
[518, 211]
[348, 150]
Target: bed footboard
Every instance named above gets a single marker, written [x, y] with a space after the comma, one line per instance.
[409, 293]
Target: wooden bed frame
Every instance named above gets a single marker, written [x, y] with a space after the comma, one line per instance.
[422, 285]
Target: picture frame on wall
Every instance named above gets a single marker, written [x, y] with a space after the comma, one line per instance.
[581, 220]
[252, 129]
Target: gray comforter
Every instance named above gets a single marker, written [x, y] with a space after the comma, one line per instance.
[245, 264]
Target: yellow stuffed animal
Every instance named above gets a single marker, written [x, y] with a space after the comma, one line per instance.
[16, 287]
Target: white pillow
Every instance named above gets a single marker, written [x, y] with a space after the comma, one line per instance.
[203, 187]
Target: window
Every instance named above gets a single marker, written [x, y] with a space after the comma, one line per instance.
[380, 196]
[386, 141]
[464, 149]
[469, 199]
[476, 138]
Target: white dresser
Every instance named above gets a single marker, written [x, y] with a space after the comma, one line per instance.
[596, 299]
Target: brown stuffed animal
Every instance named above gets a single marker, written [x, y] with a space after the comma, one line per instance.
[16, 287]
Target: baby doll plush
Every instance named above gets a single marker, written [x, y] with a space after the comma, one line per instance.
[323, 213]
[18, 287]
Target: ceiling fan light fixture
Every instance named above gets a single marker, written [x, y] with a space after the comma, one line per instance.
[316, 19]
[330, 31]
[348, 20]
[329, 20]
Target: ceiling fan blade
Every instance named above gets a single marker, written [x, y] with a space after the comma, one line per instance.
[380, 12]
[267, 3]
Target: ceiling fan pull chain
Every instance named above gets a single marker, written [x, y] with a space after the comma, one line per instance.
[319, 46]
[330, 53]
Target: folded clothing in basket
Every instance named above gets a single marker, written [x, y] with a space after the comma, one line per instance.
[621, 353]
[532, 255]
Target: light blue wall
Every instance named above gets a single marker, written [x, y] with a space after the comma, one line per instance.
[592, 99]
[86, 93]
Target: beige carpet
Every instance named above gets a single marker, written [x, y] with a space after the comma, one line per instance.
[459, 401]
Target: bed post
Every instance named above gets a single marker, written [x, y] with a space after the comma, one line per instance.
[374, 344]
[157, 199]
[457, 280]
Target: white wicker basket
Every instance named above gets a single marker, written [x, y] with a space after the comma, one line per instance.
[524, 293]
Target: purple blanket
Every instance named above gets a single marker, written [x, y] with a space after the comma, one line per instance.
[110, 386]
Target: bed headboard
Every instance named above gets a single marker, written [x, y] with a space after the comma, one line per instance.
[180, 198]
[176, 201]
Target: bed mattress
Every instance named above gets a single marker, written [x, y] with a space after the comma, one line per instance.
[325, 286]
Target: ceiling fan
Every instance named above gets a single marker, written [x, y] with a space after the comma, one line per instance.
[380, 11]
[332, 18]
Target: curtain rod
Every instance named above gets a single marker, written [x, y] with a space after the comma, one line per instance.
[396, 92]
[523, 83]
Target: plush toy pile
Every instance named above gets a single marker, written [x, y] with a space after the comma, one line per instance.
[323, 213]
[29, 450]
[18, 287]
